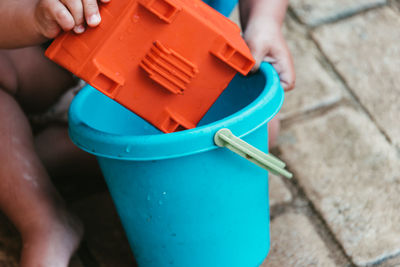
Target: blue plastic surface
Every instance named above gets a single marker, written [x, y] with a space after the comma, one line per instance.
[182, 200]
[225, 7]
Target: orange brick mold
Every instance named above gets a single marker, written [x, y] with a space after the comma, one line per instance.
[165, 60]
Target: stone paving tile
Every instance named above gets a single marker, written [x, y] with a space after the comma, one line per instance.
[278, 192]
[314, 12]
[294, 242]
[352, 176]
[315, 86]
[395, 4]
[395, 262]
[104, 235]
[365, 50]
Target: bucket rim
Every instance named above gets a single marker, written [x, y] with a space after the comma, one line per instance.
[196, 140]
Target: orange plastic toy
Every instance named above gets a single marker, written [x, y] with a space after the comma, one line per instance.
[166, 60]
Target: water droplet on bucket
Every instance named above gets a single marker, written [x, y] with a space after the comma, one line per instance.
[148, 197]
[128, 149]
[164, 193]
[160, 202]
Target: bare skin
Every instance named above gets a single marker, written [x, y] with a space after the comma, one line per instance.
[50, 233]
[64, 159]
[32, 22]
[262, 22]
[31, 83]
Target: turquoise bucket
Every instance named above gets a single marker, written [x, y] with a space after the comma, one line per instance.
[225, 7]
[182, 200]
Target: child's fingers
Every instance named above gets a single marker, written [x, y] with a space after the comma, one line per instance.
[283, 64]
[257, 51]
[258, 56]
[62, 16]
[279, 57]
[76, 9]
[258, 43]
[271, 47]
[91, 11]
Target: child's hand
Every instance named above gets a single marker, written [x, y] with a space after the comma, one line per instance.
[52, 16]
[261, 22]
[267, 43]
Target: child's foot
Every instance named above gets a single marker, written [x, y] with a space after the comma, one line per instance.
[52, 242]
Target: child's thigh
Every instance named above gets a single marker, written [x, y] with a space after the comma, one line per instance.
[40, 82]
[8, 74]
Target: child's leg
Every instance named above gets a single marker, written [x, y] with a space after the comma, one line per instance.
[64, 159]
[273, 131]
[40, 81]
[50, 233]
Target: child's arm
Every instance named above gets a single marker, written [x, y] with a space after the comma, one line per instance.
[261, 21]
[30, 22]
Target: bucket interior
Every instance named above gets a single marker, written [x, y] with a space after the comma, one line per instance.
[106, 115]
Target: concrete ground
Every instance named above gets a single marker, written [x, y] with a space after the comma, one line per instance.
[340, 138]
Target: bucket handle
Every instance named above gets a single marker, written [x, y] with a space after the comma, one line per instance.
[225, 138]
